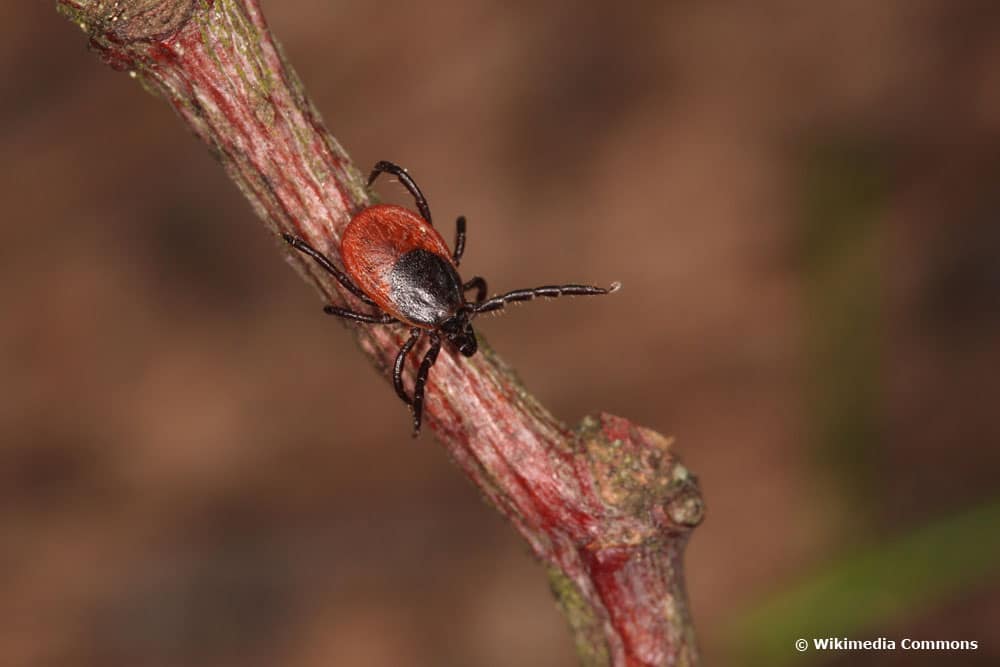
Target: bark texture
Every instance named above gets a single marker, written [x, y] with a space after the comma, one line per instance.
[607, 508]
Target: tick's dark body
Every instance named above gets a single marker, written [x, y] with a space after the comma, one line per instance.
[395, 260]
[425, 289]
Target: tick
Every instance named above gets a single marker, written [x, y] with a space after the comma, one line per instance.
[397, 262]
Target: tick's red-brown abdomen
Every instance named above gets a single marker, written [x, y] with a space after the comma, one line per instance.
[376, 238]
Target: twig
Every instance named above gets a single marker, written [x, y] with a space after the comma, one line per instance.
[607, 508]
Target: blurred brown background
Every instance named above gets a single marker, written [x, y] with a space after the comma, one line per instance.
[802, 199]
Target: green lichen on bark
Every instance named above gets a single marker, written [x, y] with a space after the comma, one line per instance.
[224, 23]
[637, 474]
[588, 633]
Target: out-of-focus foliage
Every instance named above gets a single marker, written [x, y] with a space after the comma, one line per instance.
[861, 594]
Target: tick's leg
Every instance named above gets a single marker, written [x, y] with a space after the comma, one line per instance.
[479, 283]
[548, 291]
[359, 317]
[418, 387]
[459, 240]
[397, 369]
[408, 183]
[328, 266]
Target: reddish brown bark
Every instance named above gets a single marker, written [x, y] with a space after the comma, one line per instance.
[607, 507]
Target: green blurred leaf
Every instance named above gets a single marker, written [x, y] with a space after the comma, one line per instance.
[872, 588]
